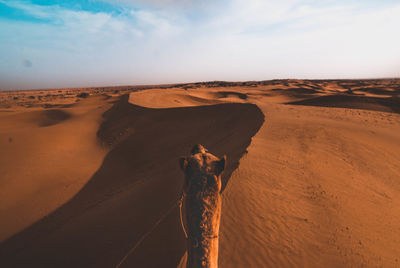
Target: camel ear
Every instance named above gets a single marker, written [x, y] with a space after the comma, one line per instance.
[221, 165]
[183, 163]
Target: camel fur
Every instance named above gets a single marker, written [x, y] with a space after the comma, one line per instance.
[202, 191]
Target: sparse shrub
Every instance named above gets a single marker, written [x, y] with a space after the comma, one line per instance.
[83, 95]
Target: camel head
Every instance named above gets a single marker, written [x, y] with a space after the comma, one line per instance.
[202, 171]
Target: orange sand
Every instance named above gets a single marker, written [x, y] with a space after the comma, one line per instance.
[312, 181]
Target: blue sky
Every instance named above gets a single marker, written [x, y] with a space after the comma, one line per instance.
[46, 44]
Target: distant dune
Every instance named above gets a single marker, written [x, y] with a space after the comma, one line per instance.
[312, 178]
[391, 104]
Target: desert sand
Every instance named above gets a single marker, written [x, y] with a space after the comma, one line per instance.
[313, 175]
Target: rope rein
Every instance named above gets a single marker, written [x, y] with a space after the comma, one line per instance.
[144, 236]
[180, 201]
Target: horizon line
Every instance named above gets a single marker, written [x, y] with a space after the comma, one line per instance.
[202, 82]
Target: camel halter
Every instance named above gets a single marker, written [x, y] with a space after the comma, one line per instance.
[180, 201]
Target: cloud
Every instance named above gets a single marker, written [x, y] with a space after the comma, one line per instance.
[84, 20]
[228, 40]
[166, 4]
[156, 22]
[37, 11]
[134, 21]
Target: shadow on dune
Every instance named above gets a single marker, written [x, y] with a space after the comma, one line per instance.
[225, 94]
[313, 86]
[297, 92]
[353, 102]
[50, 106]
[51, 117]
[137, 183]
[380, 91]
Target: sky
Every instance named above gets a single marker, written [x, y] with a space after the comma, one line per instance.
[62, 44]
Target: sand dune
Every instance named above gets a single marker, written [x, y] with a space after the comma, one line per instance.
[391, 105]
[161, 98]
[46, 157]
[312, 179]
[137, 183]
[317, 189]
